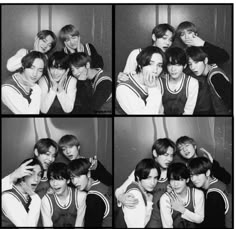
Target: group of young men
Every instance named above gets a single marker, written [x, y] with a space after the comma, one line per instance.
[70, 81]
[44, 193]
[177, 75]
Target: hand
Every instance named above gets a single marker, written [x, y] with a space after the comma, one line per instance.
[149, 79]
[176, 204]
[61, 83]
[53, 82]
[24, 170]
[79, 46]
[122, 77]
[207, 154]
[128, 200]
[27, 188]
[169, 188]
[94, 162]
[195, 41]
[36, 44]
[70, 49]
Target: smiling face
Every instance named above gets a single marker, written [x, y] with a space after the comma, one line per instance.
[179, 186]
[59, 186]
[34, 73]
[199, 180]
[57, 73]
[45, 44]
[33, 180]
[150, 182]
[72, 41]
[47, 158]
[175, 70]
[164, 160]
[163, 42]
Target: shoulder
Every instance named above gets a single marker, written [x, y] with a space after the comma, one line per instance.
[135, 52]
[72, 80]
[198, 192]
[81, 195]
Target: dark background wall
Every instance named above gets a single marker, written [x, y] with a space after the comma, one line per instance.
[20, 134]
[21, 23]
[134, 137]
[214, 23]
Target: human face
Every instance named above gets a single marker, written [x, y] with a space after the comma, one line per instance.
[179, 186]
[33, 180]
[34, 73]
[71, 152]
[72, 41]
[59, 186]
[57, 73]
[45, 44]
[175, 70]
[80, 182]
[164, 42]
[79, 72]
[47, 158]
[187, 150]
[186, 36]
[164, 160]
[155, 66]
[197, 67]
[150, 182]
[199, 180]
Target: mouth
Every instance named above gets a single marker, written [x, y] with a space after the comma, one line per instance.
[70, 157]
[57, 189]
[34, 186]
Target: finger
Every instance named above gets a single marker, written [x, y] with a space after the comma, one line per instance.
[27, 162]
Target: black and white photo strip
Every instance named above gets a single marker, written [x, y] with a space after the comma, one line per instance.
[173, 172]
[56, 172]
[56, 59]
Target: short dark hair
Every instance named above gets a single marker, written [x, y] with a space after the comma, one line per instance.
[176, 55]
[29, 59]
[186, 25]
[58, 171]
[177, 171]
[144, 57]
[196, 53]
[44, 33]
[68, 140]
[144, 167]
[184, 140]
[79, 167]
[199, 165]
[59, 60]
[79, 59]
[160, 30]
[34, 161]
[43, 145]
[162, 144]
[68, 30]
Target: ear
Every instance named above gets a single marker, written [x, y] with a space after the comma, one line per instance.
[78, 147]
[154, 153]
[187, 180]
[185, 66]
[195, 146]
[154, 37]
[208, 172]
[87, 65]
[206, 60]
[36, 153]
[68, 181]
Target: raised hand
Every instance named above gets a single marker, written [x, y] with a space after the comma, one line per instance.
[176, 204]
[36, 44]
[62, 80]
[53, 82]
[94, 162]
[128, 200]
[149, 79]
[195, 41]
[207, 154]
[122, 77]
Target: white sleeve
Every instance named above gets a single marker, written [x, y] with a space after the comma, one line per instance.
[131, 63]
[67, 98]
[166, 212]
[81, 198]
[6, 183]
[135, 218]
[47, 97]
[192, 96]
[123, 187]
[16, 213]
[18, 104]
[14, 62]
[132, 104]
[198, 215]
[46, 212]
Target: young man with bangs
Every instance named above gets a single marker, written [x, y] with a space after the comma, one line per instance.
[140, 94]
[58, 88]
[94, 87]
[62, 206]
[179, 91]
[219, 84]
[99, 199]
[69, 36]
[182, 207]
[218, 205]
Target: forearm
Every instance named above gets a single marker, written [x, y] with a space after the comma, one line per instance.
[67, 100]
[7, 182]
[14, 62]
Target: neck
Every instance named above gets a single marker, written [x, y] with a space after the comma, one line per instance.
[91, 73]
[65, 193]
[207, 183]
[89, 184]
[176, 80]
[206, 70]
[21, 78]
